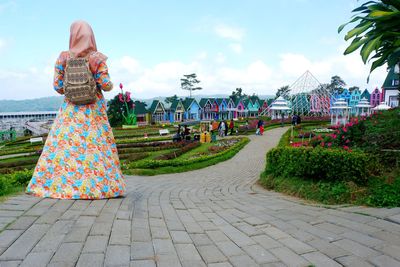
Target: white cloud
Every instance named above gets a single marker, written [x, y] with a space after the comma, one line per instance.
[235, 47]
[350, 68]
[229, 32]
[215, 72]
[220, 58]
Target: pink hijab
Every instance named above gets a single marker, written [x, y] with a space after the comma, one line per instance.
[83, 43]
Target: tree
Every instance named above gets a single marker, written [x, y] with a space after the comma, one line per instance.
[354, 88]
[171, 99]
[323, 87]
[337, 84]
[377, 32]
[189, 83]
[237, 94]
[283, 91]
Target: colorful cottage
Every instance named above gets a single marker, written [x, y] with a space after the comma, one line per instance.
[222, 108]
[355, 97]
[256, 105]
[252, 111]
[241, 109]
[390, 89]
[231, 108]
[376, 97]
[366, 95]
[192, 109]
[206, 112]
[263, 106]
[176, 111]
[157, 112]
[346, 95]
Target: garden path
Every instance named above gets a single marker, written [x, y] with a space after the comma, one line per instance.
[214, 217]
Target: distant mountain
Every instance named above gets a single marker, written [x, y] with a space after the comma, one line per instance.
[53, 103]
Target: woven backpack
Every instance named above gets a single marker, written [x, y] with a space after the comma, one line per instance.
[79, 85]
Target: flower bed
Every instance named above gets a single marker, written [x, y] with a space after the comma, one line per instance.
[185, 147]
[147, 163]
[149, 147]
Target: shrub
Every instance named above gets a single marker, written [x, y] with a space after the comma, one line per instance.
[14, 181]
[319, 164]
[21, 178]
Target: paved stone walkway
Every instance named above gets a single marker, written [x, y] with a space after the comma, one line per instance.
[213, 217]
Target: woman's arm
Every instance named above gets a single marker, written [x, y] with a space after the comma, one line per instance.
[59, 70]
[103, 78]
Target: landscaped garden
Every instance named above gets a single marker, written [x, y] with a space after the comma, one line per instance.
[141, 150]
[357, 163]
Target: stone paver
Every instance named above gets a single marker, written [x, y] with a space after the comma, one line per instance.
[217, 217]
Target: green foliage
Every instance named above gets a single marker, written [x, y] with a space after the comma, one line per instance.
[11, 183]
[377, 32]
[379, 192]
[319, 164]
[327, 192]
[190, 83]
[120, 112]
[384, 192]
[283, 91]
[377, 135]
[115, 110]
[237, 94]
[171, 99]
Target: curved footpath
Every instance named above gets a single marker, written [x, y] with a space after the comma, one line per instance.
[215, 216]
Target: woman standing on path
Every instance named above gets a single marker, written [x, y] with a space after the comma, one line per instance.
[80, 159]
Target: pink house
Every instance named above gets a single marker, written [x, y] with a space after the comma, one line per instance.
[320, 104]
[240, 109]
[376, 97]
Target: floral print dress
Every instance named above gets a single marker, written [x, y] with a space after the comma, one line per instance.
[79, 159]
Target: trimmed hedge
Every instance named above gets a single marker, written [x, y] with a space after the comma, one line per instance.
[319, 164]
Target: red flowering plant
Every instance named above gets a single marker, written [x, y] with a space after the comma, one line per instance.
[129, 113]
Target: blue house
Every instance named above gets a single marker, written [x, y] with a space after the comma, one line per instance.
[175, 112]
[355, 97]
[346, 95]
[192, 109]
[222, 108]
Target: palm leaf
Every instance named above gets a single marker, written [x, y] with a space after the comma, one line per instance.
[358, 30]
[367, 49]
[357, 42]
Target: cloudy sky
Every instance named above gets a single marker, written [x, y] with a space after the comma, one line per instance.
[258, 45]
